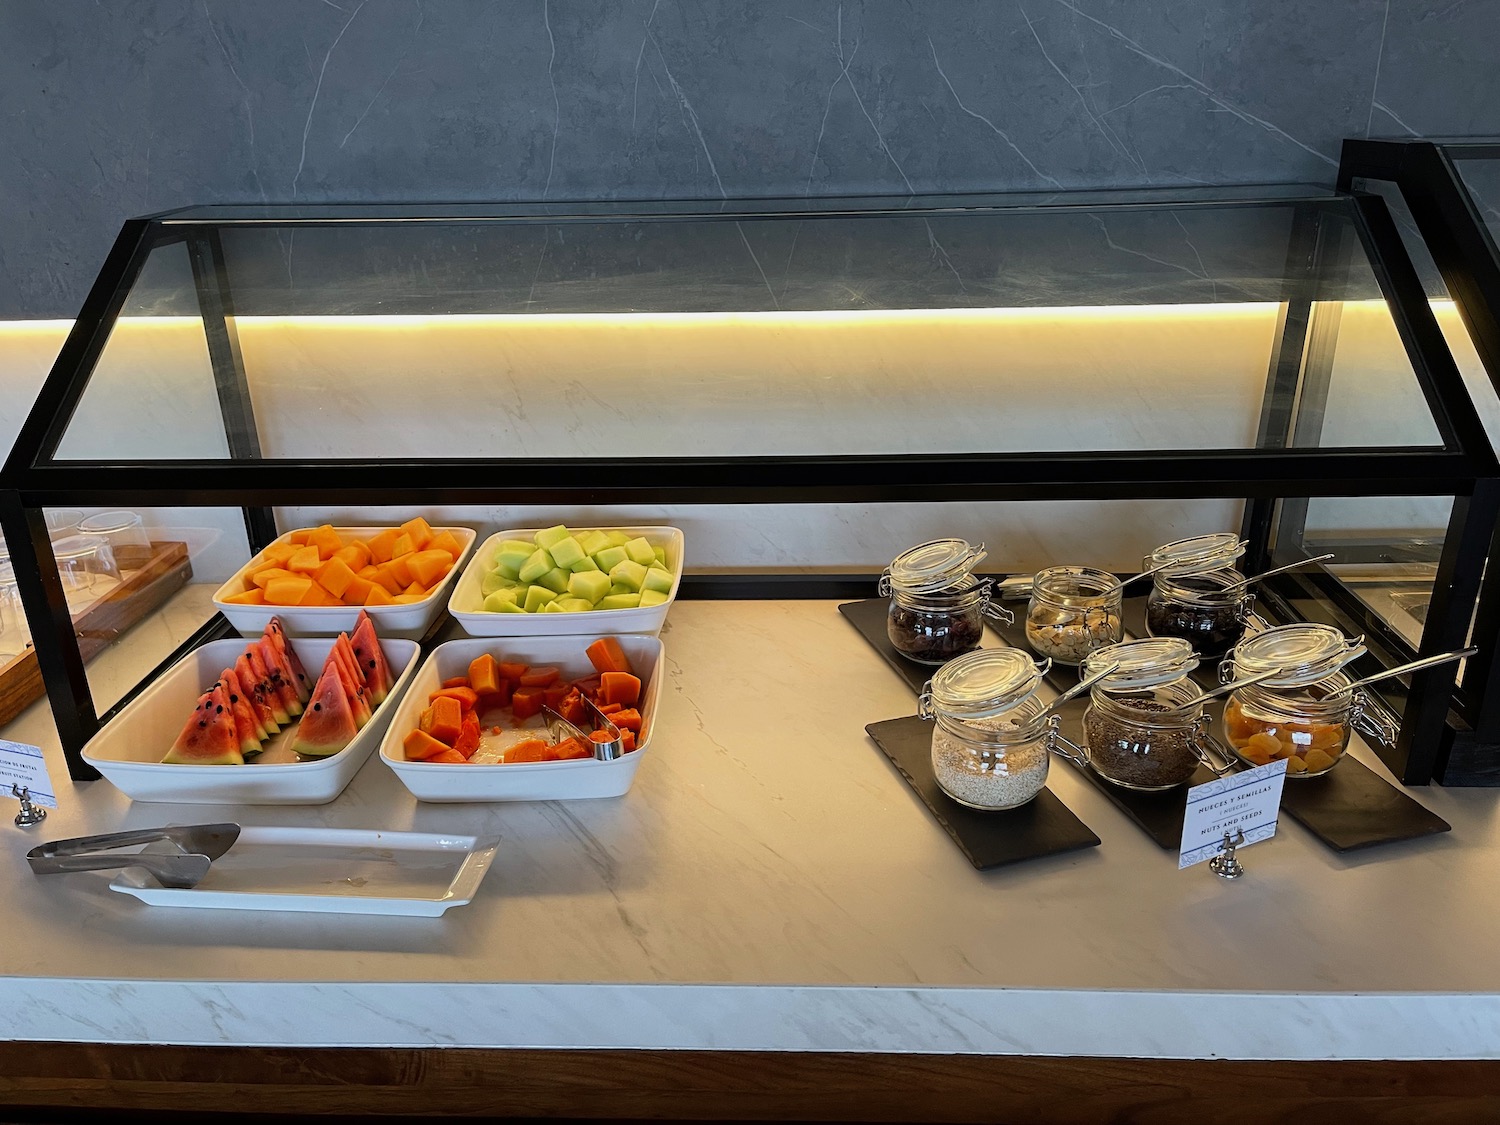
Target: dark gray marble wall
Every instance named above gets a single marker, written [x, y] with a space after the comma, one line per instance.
[112, 109]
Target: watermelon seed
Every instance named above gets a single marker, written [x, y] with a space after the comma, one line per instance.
[218, 710]
[234, 699]
[317, 707]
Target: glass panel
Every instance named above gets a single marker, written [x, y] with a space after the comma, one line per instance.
[1482, 180]
[947, 331]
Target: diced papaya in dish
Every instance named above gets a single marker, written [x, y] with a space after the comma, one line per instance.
[446, 719]
[449, 756]
[386, 580]
[526, 702]
[402, 547]
[326, 540]
[468, 736]
[571, 707]
[305, 561]
[456, 681]
[381, 545]
[418, 531]
[619, 687]
[356, 556]
[484, 675]
[334, 576]
[627, 740]
[531, 750]
[422, 747]
[610, 708]
[358, 590]
[466, 696]
[493, 700]
[249, 597]
[570, 748]
[512, 671]
[399, 568]
[554, 694]
[448, 542]
[378, 596]
[427, 567]
[627, 719]
[541, 676]
[606, 655]
[287, 591]
[263, 575]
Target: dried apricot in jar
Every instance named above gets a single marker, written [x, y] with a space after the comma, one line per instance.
[1327, 736]
[1318, 760]
[1239, 725]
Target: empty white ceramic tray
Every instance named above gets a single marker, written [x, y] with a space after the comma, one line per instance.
[329, 871]
[128, 751]
[467, 603]
[410, 621]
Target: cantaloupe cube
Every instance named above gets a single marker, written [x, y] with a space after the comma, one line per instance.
[386, 580]
[334, 576]
[326, 540]
[358, 591]
[400, 569]
[256, 596]
[287, 591]
[416, 588]
[446, 541]
[429, 566]
[382, 545]
[278, 553]
[316, 595]
[418, 531]
[305, 561]
[408, 599]
[262, 575]
[369, 572]
[404, 545]
[378, 596]
[356, 556]
[299, 537]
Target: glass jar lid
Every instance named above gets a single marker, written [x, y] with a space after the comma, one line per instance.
[1141, 664]
[935, 566]
[1304, 652]
[1198, 553]
[984, 683]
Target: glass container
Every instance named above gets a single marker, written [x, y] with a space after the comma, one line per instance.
[1073, 611]
[62, 522]
[991, 739]
[1306, 713]
[1142, 728]
[1199, 595]
[124, 531]
[937, 606]
[84, 562]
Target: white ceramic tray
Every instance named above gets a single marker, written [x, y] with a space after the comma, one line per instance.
[128, 751]
[467, 603]
[410, 621]
[534, 781]
[330, 871]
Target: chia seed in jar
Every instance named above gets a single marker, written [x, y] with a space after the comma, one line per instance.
[988, 779]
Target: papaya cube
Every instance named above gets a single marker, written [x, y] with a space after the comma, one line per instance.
[378, 595]
[429, 566]
[316, 595]
[445, 719]
[326, 540]
[404, 545]
[385, 578]
[334, 576]
[382, 545]
[420, 746]
[261, 575]
[358, 591]
[256, 596]
[305, 561]
[356, 556]
[484, 675]
[287, 591]
[278, 553]
[299, 537]
[399, 568]
[418, 531]
[446, 541]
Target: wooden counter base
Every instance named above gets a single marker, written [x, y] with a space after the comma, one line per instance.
[707, 1085]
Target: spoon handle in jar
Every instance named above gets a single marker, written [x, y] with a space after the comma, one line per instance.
[1243, 582]
[1222, 688]
[1413, 666]
[1080, 687]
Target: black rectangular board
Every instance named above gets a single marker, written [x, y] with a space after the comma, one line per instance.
[869, 617]
[1043, 826]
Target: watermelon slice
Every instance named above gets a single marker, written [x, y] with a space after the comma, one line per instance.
[252, 734]
[371, 659]
[342, 658]
[211, 737]
[268, 686]
[279, 675]
[256, 690]
[328, 724]
[299, 674]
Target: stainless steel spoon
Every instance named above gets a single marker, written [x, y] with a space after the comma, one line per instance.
[1243, 582]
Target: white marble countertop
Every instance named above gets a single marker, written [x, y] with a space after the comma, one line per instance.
[771, 883]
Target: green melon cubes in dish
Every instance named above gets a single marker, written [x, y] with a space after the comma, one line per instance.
[560, 571]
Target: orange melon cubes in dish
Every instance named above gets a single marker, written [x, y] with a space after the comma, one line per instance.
[321, 567]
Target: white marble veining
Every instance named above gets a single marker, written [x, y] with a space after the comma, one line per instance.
[770, 882]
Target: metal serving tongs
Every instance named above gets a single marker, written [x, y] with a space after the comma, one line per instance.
[604, 739]
[199, 845]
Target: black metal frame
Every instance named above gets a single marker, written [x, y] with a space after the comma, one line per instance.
[1425, 173]
[1463, 467]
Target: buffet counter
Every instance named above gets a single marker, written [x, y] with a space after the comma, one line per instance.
[771, 884]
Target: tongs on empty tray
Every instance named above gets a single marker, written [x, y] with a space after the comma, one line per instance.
[198, 845]
[603, 736]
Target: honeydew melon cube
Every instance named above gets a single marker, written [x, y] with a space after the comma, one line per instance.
[617, 538]
[616, 588]
[536, 597]
[566, 551]
[555, 580]
[552, 535]
[584, 564]
[619, 601]
[592, 541]
[493, 581]
[657, 580]
[538, 564]
[592, 584]
[502, 601]
[640, 550]
[650, 598]
[572, 605]
[610, 557]
[628, 573]
[661, 555]
[512, 556]
[554, 606]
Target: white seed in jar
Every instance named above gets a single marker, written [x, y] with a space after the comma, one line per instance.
[1069, 640]
[988, 777]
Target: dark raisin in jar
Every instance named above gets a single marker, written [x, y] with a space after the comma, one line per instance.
[1206, 610]
[937, 606]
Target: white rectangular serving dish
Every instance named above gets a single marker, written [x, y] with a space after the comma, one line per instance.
[530, 781]
[467, 604]
[330, 871]
[128, 751]
[409, 621]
